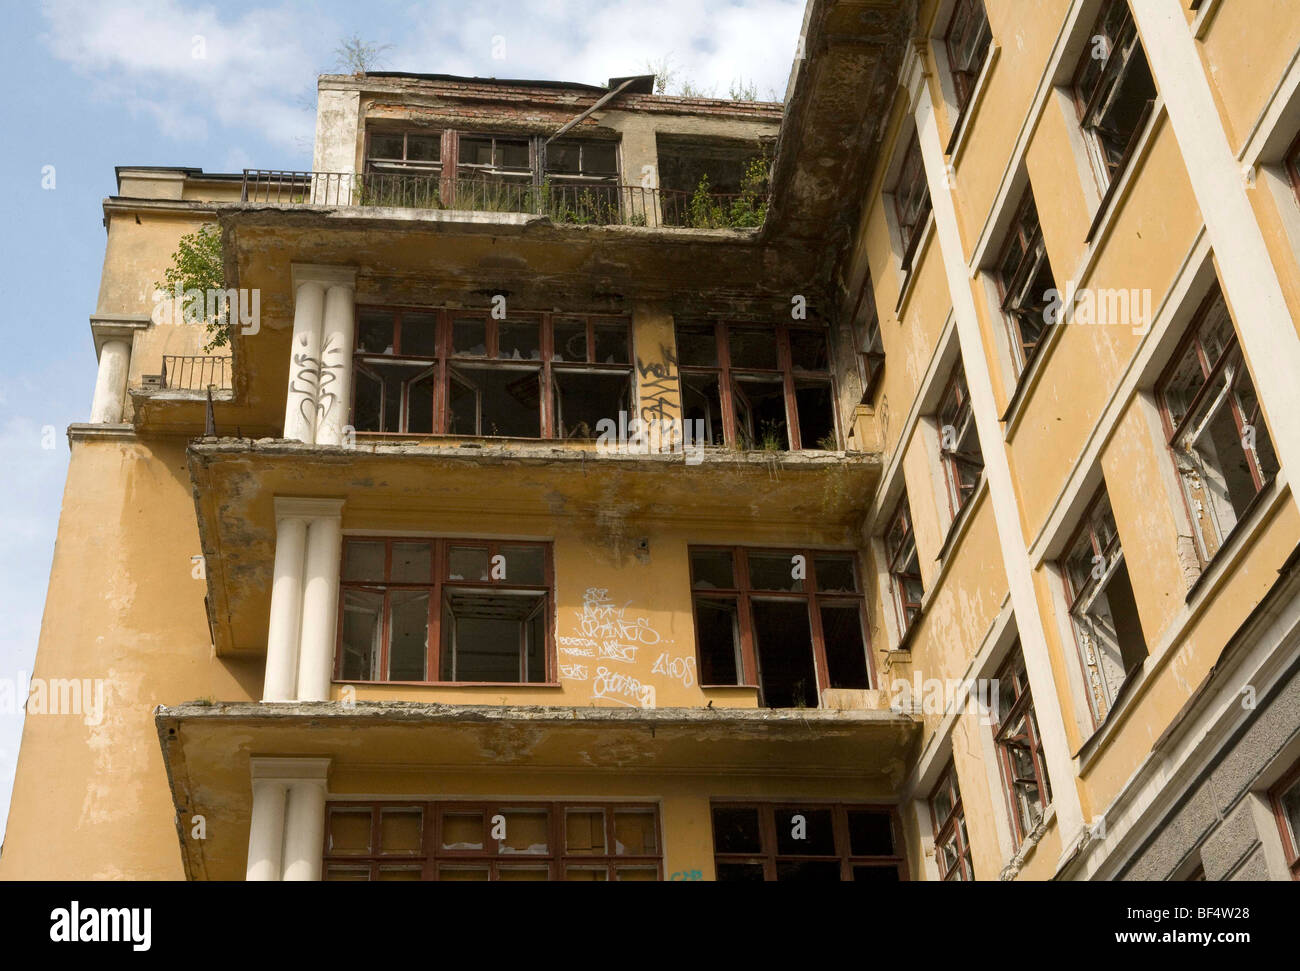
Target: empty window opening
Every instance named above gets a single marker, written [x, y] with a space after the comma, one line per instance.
[447, 611]
[1113, 90]
[814, 843]
[951, 843]
[959, 445]
[1217, 433]
[904, 567]
[1102, 608]
[1025, 280]
[967, 42]
[1020, 751]
[787, 622]
[911, 200]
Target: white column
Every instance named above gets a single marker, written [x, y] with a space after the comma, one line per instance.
[266, 830]
[1250, 283]
[304, 830]
[1002, 494]
[335, 392]
[110, 383]
[283, 629]
[304, 362]
[320, 606]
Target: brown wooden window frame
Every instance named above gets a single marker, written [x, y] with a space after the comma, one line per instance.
[446, 361]
[1229, 366]
[955, 412]
[1017, 277]
[744, 594]
[1292, 164]
[950, 829]
[912, 202]
[867, 340]
[769, 855]
[730, 379]
[967, 16]
[900, 548]
[432, 857]
[1290, 834]
[440, 582]
[1096, 536]
[1109, 158]
[1013, 685]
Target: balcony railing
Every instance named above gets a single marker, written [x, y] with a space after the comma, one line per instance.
[595, 203]
[182, 372]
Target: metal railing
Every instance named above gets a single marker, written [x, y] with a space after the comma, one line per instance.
[594, 203]
[182, 372]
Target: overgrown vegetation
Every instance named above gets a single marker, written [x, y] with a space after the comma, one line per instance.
[355, 56]
[197, 265]
[746, 210]
[668, 80]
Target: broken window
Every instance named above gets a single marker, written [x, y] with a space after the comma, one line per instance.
[788, 622]
[1020, 750]
[1217, 434]
[758, 387]
[1293, 165]
[1102, 609]
[1285, 797]
[967, 42]
[1113, 89]
[492, 841]
[1024, 277]
[581, 179]
[904, 567]
[529, 376]
[403, 168]
[423, 610]
[911, 200]
[871, 350]
[806, 843]
[395, 378]
[951, 844]
[959, 444]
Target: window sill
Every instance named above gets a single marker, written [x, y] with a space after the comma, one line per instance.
[1028, 379]
[909, 272]
[960, 523]
[1025, 850]
[1112, 198]
[1244, 526]
[957, 140]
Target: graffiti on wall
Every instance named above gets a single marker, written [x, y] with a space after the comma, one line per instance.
[614, 636]
[659, 390]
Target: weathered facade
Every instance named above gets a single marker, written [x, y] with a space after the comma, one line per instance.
[890, 484]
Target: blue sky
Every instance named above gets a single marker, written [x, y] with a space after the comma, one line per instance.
[100, 83]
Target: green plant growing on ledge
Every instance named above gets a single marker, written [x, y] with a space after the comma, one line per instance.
[197, 265]
[770, 438]
[747, 210]
[828, 442]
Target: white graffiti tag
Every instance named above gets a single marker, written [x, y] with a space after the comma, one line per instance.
[618, 687]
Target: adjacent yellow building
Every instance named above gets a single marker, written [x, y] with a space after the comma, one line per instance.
[600, 485]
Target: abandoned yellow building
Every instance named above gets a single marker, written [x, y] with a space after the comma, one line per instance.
[890, 484]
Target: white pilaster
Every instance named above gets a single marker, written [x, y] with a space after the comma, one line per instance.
[287, 824]
[1250, 283]
[997, 469]
[304, 362]
[320, 605]
[304, 830]
[283, 629]
[334, 395]
[266, 830]
[110, 383]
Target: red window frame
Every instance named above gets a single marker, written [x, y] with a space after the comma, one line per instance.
[969, 18]
[790, 376]
[1023, 262]
[1213, 367]
[1092, 90]
[440, 573]
[955, 412]
[911, 200]
[744, 593]
[547, 365]
[1013, 686]
[1290, 835]
[950, 828]
[432, 857]
[769, 857]
[900, 547]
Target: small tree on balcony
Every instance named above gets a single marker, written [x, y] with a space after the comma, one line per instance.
[197, 265]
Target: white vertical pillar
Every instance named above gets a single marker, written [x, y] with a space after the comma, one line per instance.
[283, 629]
[304, 830]
[304, 362]
[1250, 283]
[110, 382]
[997, 467]
[266, 830]
[335, 391]
[320, 606]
